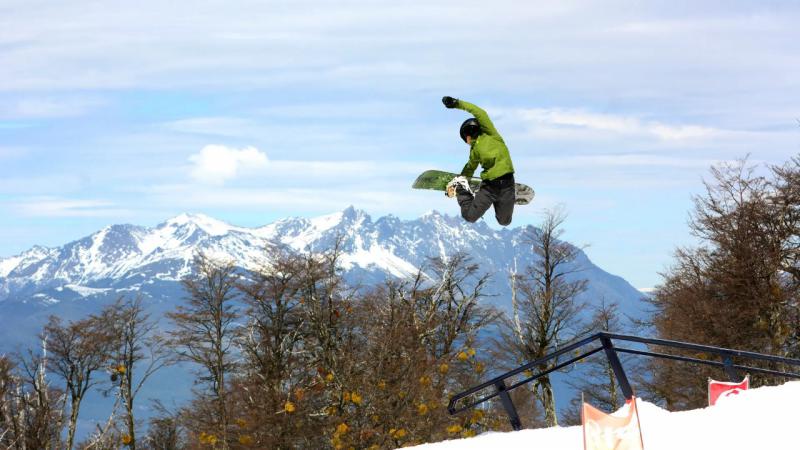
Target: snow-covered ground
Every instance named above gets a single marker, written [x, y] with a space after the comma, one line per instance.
[760, 419]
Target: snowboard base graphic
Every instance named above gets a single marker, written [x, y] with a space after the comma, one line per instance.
[437, 180]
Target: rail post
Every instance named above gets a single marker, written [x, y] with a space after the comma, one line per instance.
[508, 405]
[733, 375]
[616, 366]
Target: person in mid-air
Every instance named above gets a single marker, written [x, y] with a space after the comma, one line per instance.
[488, 149]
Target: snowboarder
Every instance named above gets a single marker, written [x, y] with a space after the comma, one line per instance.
[488, 149]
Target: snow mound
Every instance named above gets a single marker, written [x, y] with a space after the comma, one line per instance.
[764, 418]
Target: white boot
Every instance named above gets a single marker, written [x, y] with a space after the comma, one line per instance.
[452, 186]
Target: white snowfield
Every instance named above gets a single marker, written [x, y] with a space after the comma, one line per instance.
[759, 419]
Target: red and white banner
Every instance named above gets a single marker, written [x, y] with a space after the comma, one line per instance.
[717, 389]
[603, 431]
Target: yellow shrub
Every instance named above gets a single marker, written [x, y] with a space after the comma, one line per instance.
[209, 439]
[453, 429]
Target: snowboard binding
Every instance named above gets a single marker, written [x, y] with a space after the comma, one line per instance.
[453, 186]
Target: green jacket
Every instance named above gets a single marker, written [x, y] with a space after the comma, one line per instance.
[489, 150]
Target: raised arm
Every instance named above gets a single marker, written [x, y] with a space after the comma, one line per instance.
[483, 119]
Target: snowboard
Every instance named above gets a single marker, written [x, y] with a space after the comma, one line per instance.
[437, 180]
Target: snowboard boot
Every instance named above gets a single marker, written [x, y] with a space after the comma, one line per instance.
[458, 185]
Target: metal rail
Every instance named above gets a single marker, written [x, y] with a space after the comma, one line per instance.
[501, 385]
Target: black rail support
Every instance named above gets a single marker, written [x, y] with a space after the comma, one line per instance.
[727, 360]
[508, 405]
[501, 389]
[616, 366]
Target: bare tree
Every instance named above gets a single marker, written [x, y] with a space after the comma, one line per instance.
[786, 224]
[455, 304]
[326, 365]
[78, 350]
[136, 354]
[547, 308]
[9, 428]
[409, 345]
[277, 368]
[165, 431]
[204, 334]
[36, 410]
[785, 199]
[737, 288]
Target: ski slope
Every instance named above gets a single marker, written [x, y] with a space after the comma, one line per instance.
[759, 419]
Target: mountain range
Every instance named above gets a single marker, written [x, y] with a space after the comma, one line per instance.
[78, 277]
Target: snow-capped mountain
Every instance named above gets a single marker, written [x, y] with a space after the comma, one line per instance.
[125, 259]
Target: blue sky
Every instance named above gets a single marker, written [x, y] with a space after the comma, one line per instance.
[249, 111]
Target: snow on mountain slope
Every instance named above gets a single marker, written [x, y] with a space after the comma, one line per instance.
[128, 258]
[8, 264]
[763, 418]
[117, 250]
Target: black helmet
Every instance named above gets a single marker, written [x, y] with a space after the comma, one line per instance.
[470, 128]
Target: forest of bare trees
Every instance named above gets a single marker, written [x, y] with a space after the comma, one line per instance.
[738, 288]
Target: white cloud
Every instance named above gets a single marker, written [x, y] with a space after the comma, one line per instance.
[48, 107]
[216, 164]
[298, 200]
[334, 171]
[61, 207]
[140, 44]
[570, 120]
[621, 161]
[218, 126]
[351, 109]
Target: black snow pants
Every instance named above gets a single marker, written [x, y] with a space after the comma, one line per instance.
[498, 192]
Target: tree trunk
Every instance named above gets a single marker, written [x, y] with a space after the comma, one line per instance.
[73, 422]
[548, 400]
[130, 421]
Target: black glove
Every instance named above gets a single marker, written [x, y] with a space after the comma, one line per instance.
[449, 102]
